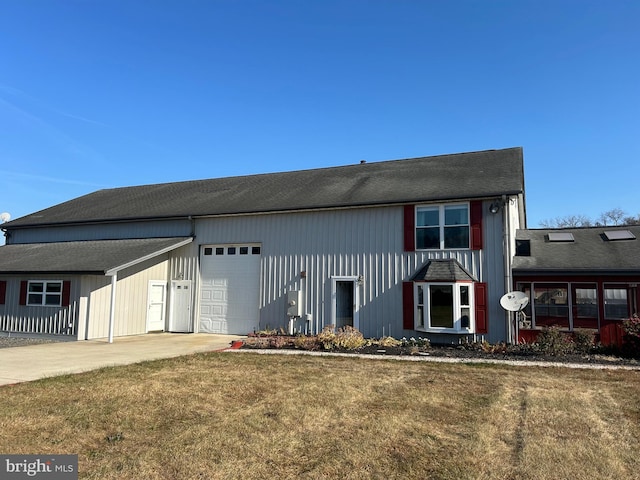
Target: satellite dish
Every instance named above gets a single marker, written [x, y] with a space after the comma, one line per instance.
[514, 301]
[4, 217]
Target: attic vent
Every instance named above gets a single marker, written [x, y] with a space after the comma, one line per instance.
[619, 235]
[561, 237]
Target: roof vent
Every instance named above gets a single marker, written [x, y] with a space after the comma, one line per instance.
[561, 237]
[613, 235]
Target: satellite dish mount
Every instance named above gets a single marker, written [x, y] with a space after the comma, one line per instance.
[516, 302]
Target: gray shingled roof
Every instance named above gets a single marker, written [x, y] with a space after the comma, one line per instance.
[448, 270]
[590, 251]
[90, 257]
[445, 177]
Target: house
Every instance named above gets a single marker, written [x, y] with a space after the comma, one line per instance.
[414, 247]
[578, 278]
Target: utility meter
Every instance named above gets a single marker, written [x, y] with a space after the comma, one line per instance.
[294, 303]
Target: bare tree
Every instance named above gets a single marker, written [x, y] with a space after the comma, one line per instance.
[631, 220]
[568, 221]
[614, 216]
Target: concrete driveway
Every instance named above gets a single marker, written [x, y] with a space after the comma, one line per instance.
[24, 364]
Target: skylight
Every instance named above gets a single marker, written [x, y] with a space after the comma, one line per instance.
[561, 237]
[619, 235]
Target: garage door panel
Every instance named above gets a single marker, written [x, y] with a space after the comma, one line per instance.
[230, 292]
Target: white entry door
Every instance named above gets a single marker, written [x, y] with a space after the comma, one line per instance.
[156, 306]
[230, 289]
[180, 318]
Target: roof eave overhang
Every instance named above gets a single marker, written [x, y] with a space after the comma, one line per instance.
[193, 216]
[114, 270]
[52, 272]
[567, 272]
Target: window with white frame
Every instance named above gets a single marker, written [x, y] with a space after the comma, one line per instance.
[444, 307]
[441, 227]
[44, 293]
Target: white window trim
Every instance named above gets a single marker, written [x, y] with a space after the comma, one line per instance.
[43, 293]
[441, 225]
[456, 308]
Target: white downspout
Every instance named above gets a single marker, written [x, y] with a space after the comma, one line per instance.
[511, 334]
[112, 308]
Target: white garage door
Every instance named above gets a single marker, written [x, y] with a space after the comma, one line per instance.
[230, 291]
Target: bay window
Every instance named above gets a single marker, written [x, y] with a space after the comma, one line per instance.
[444, 307]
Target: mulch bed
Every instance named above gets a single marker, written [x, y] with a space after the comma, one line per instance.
[465, 352]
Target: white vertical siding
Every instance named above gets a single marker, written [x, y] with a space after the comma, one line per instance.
[45, 320]
[351, 242]
[131, 299]
[140, 229]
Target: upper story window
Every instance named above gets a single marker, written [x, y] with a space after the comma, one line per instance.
[442, 227]
[44, 293]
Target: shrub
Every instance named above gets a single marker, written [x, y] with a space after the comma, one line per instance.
[493, 348]
[305, 342]
[583, 340]
[347, 338]
[326, 337]
[631, 328]
[554, 342]
[388, 342]
[416, 342]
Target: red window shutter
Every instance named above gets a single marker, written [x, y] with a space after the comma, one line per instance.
[481, 307]
[66, 293]
[407, 306]
[409, 228]
[3, 292]
[476, 225]
[23, 292]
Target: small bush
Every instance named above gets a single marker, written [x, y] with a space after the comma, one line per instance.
[416, 342]
[631, 329]
[326, 337]
[583, 340]
[349, 338]
[554, 342]
[346, 338]
[305, 342]
[493, 348]
[388, 342]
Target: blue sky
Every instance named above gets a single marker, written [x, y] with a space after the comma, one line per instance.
[108, 93]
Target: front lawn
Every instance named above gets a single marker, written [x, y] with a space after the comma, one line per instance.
[245, 415]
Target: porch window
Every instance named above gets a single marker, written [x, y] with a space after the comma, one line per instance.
[551, 305]
[615, 303]
[444, 307]
[44, 293]
[442, 227]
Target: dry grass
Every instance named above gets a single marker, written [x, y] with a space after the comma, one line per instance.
[251, 416]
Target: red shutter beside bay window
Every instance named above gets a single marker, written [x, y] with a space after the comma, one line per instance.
[481, 307]
[476, 224]
[3, 291]
[66, 293]
[23, 292]
[407, 306]
[409, 228]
